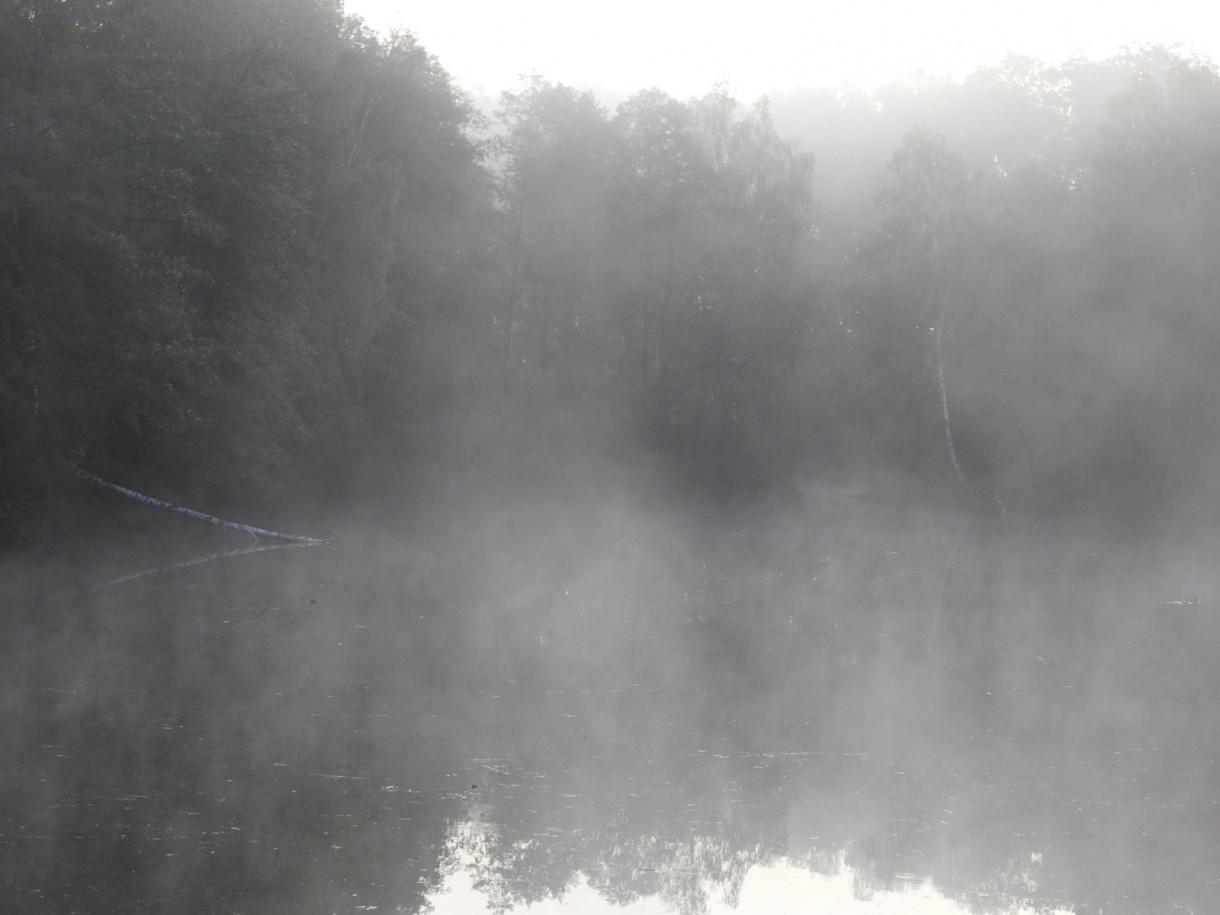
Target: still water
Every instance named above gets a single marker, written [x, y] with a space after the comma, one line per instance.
[842, 709]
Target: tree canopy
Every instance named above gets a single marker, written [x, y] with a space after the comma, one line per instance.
[251, 251]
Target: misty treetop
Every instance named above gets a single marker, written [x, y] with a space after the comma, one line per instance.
[253, 253]
[653, 259]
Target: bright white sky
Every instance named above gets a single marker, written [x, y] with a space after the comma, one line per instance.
[757, 46]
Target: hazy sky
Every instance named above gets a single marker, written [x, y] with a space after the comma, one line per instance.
[756, 46]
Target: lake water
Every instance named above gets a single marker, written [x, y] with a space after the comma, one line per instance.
[844, 708]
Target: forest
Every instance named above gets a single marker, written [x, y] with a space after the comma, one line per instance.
[253, 254]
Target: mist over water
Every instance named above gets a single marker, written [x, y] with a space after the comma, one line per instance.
[681, 516]
[601, 688]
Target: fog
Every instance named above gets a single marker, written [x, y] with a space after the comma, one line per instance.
[594, 685]
[669, 504]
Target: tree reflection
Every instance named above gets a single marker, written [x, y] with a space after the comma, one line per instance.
[595, 711]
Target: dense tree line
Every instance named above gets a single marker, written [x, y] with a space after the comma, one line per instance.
[249, 250]
[230, 228]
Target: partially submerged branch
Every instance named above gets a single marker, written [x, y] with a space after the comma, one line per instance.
[255, 532]
[292, 540]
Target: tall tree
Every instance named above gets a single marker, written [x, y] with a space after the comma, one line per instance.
[713, 206]
[555, 150]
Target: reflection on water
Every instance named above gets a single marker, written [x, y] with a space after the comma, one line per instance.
[913, 713]
[765, 890]
[489, 864]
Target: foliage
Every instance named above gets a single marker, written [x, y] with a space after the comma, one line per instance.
[251, 252]
[224, 223]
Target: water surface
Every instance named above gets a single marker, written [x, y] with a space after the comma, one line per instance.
[855, 708]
